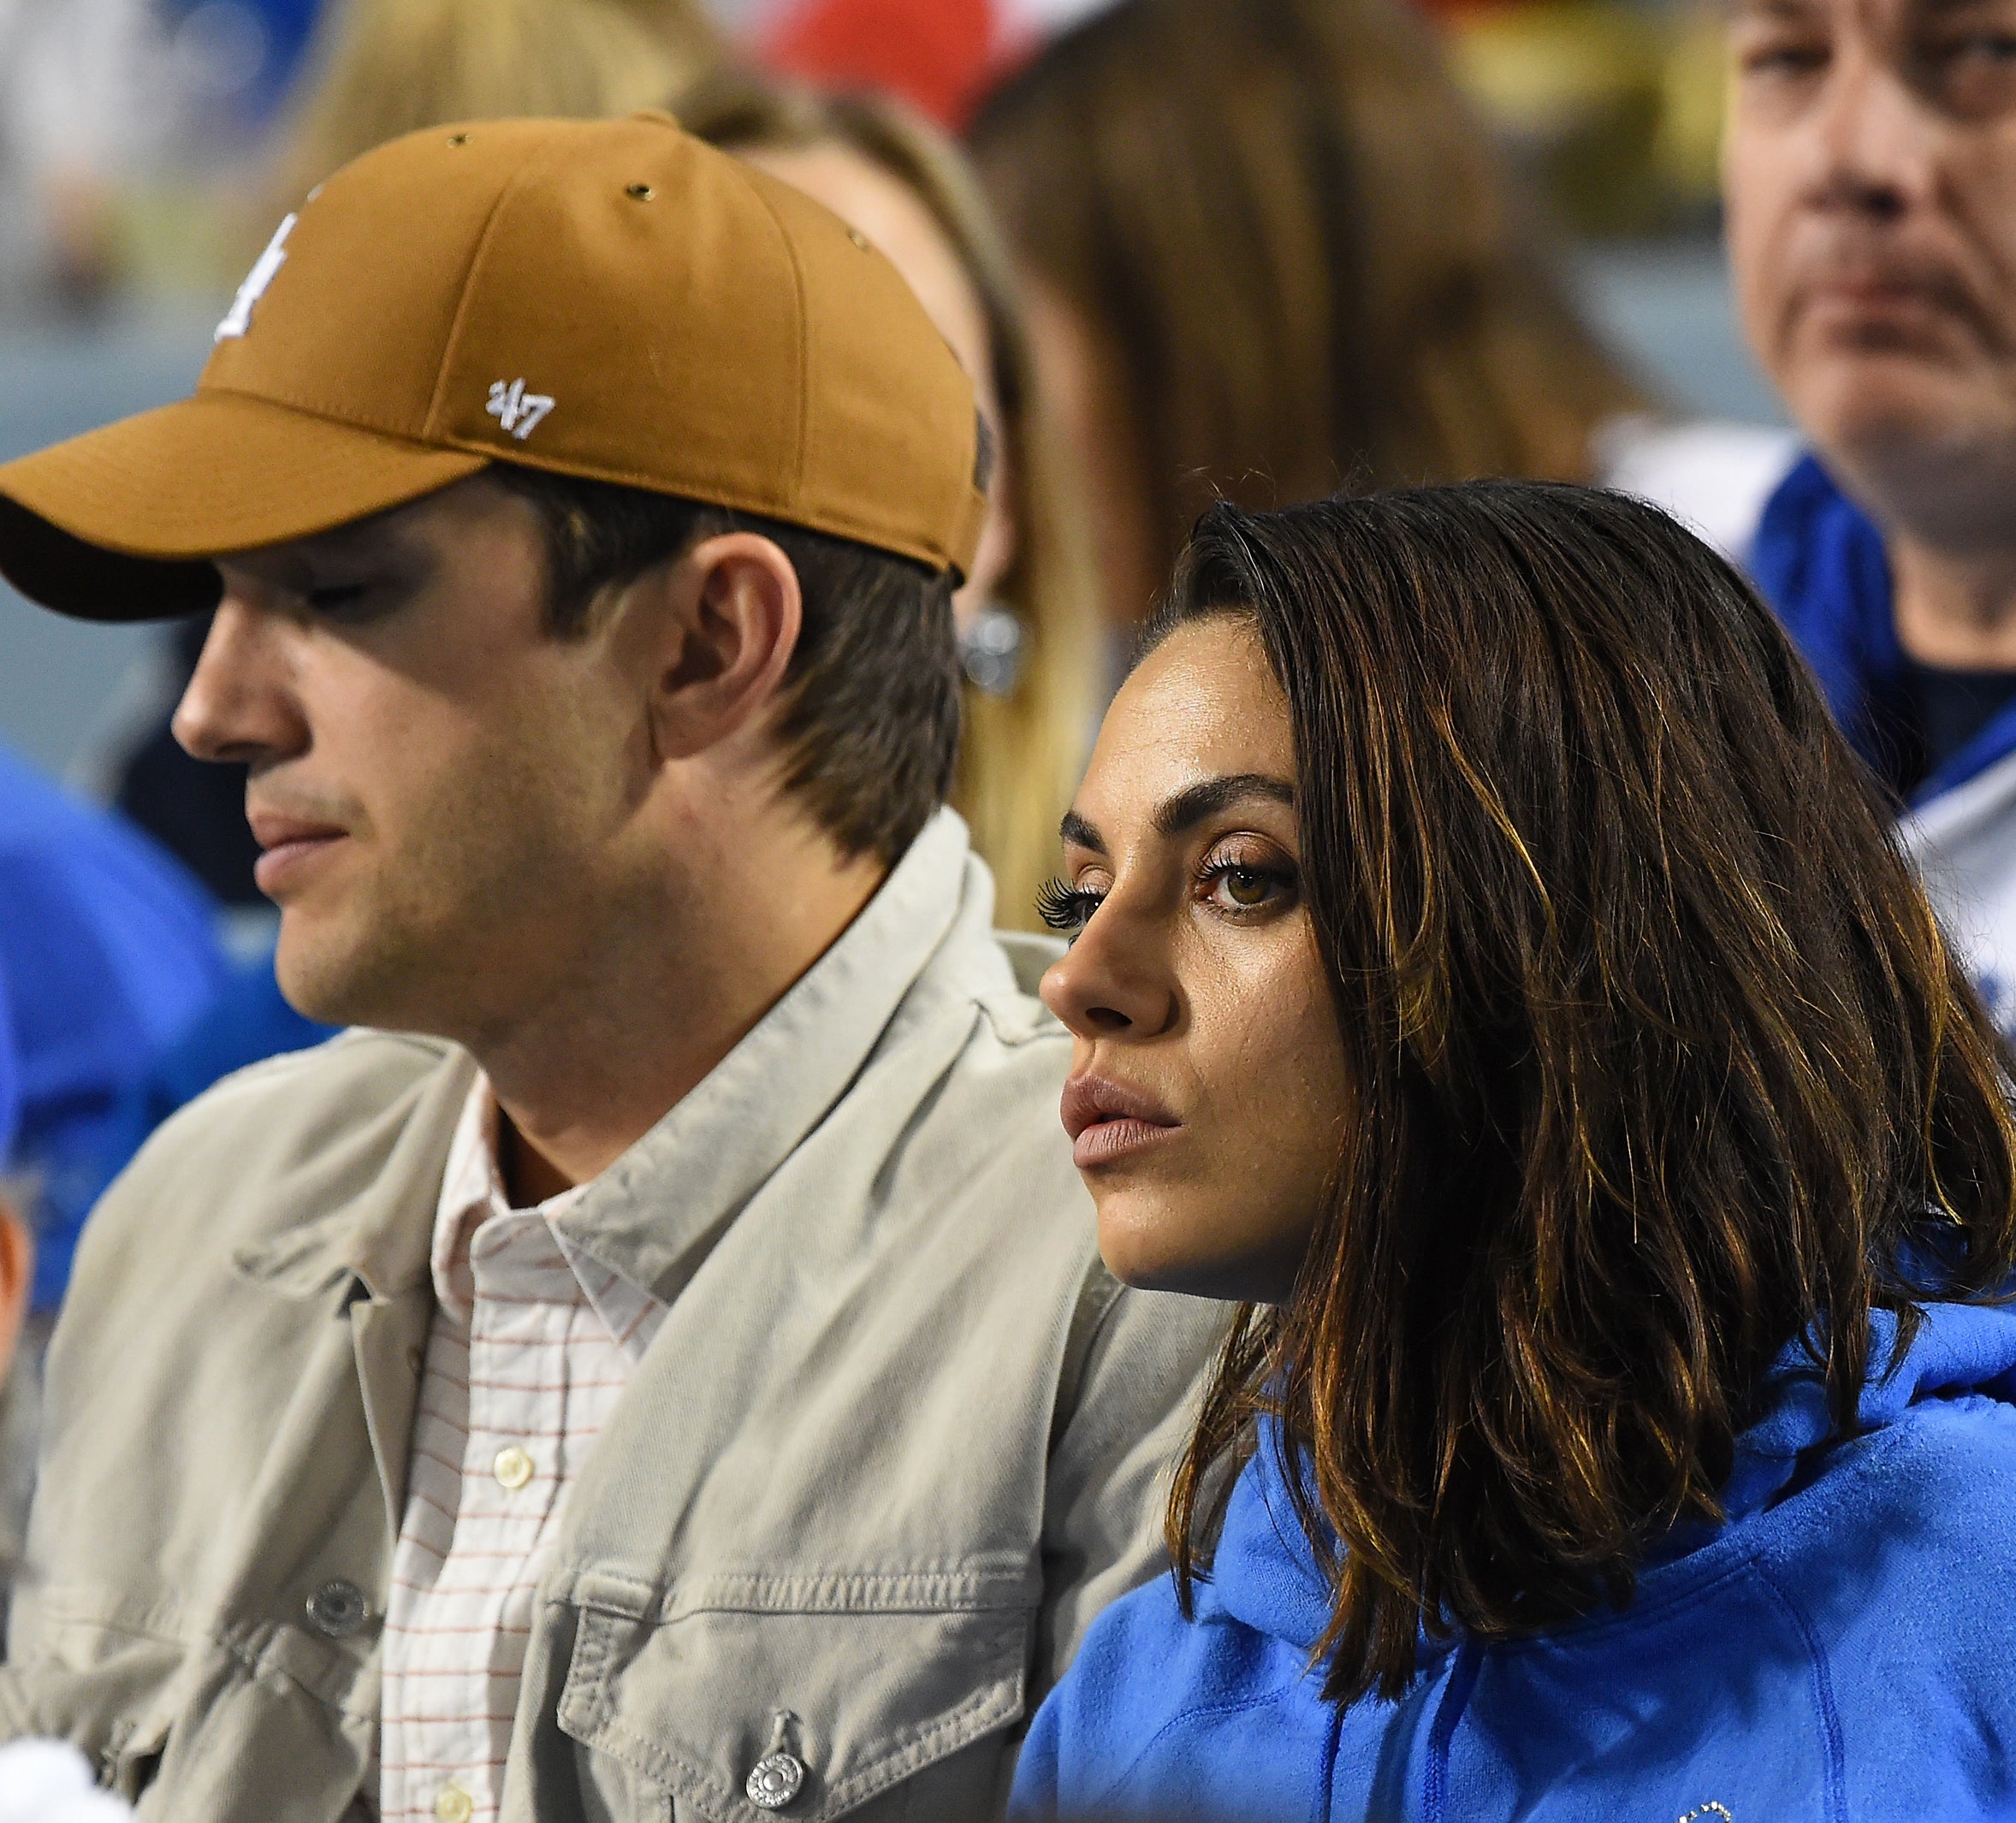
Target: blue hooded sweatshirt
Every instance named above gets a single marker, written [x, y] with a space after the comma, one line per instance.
[1841, 1650]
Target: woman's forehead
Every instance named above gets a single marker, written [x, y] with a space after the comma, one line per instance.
[1203, 704]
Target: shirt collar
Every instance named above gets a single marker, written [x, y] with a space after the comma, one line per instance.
[472, 1192]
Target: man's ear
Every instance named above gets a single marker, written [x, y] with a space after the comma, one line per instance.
[727, 620]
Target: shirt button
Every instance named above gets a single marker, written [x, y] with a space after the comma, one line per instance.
[512, 1467]
[338, 1608]
[452, 1804]
[775, 1781]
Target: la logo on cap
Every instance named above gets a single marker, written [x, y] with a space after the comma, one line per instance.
[238, 318]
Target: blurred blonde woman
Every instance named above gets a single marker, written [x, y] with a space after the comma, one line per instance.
[379, 68]
[1028, 616]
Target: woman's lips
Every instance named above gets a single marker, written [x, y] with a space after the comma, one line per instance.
[1108, 1121]
[1107, 1140]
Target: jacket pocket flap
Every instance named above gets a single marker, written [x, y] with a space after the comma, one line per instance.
[861, 1692]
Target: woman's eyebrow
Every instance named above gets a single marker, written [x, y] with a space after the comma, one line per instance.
[1080, 834]
[1188, 807]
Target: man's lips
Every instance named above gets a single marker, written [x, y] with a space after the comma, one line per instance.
[1106, 1119]
[290, 845]
[1876, 294]
[1879, 294]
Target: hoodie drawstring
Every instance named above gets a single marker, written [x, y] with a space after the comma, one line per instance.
[1456, 1696]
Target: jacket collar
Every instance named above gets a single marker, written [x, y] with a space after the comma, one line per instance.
[652, 1215]
[363, 1206]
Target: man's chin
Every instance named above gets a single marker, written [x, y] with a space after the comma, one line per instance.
[334, 981]
[1894, 427]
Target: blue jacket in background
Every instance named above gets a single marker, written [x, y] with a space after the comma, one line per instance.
[1842, 1650]
[10, 1080]
[111, 953]
[1819, 561]
[247, 1023]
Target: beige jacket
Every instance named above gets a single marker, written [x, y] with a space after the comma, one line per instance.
[899, 1440]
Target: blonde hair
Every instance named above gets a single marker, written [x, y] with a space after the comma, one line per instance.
[1022, 753]
[380, 69]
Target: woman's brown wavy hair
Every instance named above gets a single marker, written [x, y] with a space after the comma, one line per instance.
[1659, 1058]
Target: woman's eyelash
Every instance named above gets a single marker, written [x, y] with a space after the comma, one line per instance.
[1065, 908]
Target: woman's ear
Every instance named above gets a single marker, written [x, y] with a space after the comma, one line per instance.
[17, 1277]
[727, 618]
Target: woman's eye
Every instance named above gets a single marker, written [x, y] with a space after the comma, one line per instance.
[1241, 889]
[1066, 908]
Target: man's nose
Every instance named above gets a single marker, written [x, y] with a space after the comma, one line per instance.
[1114, 980]
[237, 705]
[1878, 138]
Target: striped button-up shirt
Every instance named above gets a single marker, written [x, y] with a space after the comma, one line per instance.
[530, 1348]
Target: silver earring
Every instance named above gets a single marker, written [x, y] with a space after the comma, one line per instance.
[991, 650]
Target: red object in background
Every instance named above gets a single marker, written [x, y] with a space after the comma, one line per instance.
[940, 56]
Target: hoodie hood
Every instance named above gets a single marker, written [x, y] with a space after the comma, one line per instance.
[1266, 1573]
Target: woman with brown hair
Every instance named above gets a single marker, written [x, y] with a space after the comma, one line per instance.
[1271, 253]
[1492, 967]
[1027, 616]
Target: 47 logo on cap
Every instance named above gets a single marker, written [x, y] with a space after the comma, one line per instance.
[517, 411]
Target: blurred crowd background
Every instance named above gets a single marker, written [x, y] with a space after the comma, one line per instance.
[1264, 248]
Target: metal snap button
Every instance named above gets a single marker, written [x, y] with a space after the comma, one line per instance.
[338, 1608]
[775, 1781]
[513, 1468]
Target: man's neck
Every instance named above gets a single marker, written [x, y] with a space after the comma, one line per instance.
[1955, 609]
[662, 1000]
[1947, 513]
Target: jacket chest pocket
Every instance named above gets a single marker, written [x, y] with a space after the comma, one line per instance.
[800, 1697]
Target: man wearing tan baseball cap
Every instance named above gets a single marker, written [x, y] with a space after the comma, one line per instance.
[657, 1364]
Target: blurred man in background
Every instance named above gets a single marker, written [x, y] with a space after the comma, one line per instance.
[1871, 174]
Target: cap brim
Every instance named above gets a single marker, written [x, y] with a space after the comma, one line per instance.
[122, 523]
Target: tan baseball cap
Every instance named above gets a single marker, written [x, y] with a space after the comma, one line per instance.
[611, 300]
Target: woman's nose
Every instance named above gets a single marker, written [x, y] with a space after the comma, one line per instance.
[1113, 981]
